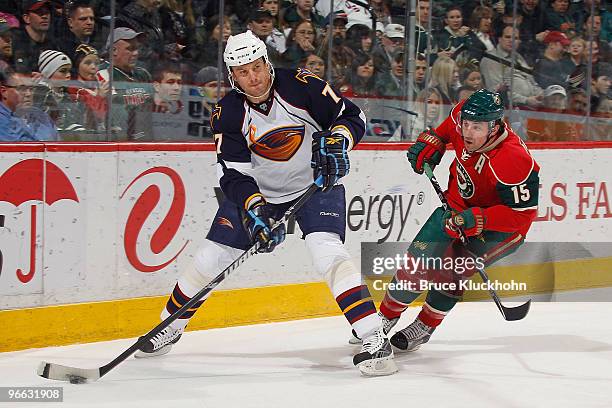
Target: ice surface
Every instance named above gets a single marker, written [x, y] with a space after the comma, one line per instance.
[559, 356]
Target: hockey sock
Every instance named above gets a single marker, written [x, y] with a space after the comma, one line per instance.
[181, 294]
[402, 291]
[358, 308]
[436, 307]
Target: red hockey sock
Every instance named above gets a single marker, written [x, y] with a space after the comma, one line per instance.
[430, 316]
[391, 308]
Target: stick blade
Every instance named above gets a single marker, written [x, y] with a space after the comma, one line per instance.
[518, 312]
[73, 375]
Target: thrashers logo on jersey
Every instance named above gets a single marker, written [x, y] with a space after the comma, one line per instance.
[464, 182]
[278, 144]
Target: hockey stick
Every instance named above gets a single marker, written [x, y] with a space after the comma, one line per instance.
[75, 375]
[509, 313]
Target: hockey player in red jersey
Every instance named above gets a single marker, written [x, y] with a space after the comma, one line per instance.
[274, 132]
[493, 191]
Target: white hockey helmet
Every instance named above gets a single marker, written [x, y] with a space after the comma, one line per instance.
[242, 49]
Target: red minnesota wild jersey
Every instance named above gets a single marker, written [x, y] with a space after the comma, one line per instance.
[265, 149]
[501, 177]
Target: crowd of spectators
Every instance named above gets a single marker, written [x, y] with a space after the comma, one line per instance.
[57, 58]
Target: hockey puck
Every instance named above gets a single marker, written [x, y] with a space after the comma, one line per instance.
[77, 379]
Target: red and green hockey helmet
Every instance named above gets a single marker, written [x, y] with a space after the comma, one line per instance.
[483, 106]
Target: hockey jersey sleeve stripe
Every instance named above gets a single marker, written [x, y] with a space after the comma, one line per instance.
[343, 130]
[252, 199]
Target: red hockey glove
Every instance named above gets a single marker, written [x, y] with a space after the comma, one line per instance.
[472, 221]
[428, 148]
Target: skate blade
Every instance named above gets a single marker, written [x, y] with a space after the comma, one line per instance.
[402, 351]
[378, 367]
[355, 340]
[164, 350]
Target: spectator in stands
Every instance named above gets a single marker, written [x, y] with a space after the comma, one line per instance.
[382, 10]
[531, 30]
[464, 92]
[215, 34]
[558, 18]
[301, 40]
[43, 128]
[392, 41]
[429, 107]
[577, 102]
[421, 27]
[497, 76]
[168, 86]
[34, 37]
[549, 70]
[261, 23]
[299, 11]
[272, 7]
[470, 76]
[555, 98]
[178, 26]
[341, 54]
[359, 39]
[52, 94]
[420, 69]
[143, 16]
[581, 10]
[80, 19]
[87, 90]
[481, 24]
[6, 45]
[132, 91]
[167, 102]
[315, 64]
[391, 83]
[575, 54]
[202, 107]
[455, 34]
[14, 129]
[362, 78]
[592, 30]
[445, 78]
[600, 84]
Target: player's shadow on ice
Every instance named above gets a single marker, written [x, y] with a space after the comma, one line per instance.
[439, 352]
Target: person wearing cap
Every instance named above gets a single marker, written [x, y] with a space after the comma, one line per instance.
[203, 97]
[132, 90]
[87, 90]
[392, 41]
[341, 52]
[51, 95]
[555, 98]
[144, 16]
[261, 23]
[34, 37]
[550, 69]
[302, 10]
[6, 45]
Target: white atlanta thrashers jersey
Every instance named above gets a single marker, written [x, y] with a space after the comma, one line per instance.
[266, 148]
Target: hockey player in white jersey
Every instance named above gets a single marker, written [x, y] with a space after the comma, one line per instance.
[274, 131]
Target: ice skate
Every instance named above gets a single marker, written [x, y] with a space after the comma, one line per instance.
[376, 355]
[411, 338]
[161, 343]
[387, 325]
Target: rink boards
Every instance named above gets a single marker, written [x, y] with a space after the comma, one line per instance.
[94, 235]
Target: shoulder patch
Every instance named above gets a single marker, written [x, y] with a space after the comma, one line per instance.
[511, 163]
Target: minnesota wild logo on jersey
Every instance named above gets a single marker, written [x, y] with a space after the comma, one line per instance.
[464, 182]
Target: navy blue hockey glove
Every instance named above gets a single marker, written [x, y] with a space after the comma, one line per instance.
[258, 222]
[329, 158]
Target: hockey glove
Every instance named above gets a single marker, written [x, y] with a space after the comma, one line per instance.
[329, 158]
[258, 222]
[472, 221]
[428, 148]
